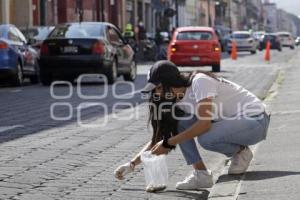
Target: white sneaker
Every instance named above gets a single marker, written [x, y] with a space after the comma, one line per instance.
[240, 162]
[197, 180]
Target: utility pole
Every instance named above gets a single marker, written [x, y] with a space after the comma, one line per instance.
[177, 17]
[42, 12]
[208, 12]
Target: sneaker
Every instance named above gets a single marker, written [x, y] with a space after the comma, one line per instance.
[240, 161]
[197, 180]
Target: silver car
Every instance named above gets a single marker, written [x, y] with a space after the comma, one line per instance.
[287, 39]
[244, 42]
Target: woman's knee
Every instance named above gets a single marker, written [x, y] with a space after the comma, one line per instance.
[206, 143]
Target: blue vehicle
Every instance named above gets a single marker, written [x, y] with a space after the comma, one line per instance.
[17, 59]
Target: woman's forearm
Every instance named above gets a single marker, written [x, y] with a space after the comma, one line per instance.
[197, 129]
[137, 158]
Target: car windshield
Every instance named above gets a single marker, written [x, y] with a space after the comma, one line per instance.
[284, 35]
[241, 36]
[269, 37]
[1, 31]
[40, 33]
[194, 35]
[77, 31]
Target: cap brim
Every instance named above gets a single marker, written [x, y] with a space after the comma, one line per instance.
[148, 88]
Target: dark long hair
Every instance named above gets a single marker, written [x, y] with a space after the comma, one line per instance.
[162, 120]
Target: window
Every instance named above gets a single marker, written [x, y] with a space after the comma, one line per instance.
[13, 35]
[21, 36]
[241, 36]
[77, 31]
[194, 35]
[1, 31]
[114, 36]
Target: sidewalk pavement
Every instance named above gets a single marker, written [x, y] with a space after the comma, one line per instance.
[274, 173]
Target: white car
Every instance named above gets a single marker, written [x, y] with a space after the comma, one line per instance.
[287, 39]
[244, 42]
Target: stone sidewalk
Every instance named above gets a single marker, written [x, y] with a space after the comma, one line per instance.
[274, 172]
[73, 162]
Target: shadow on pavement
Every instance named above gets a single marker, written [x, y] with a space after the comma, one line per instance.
[203, 194]
[198, 195]
[239, 54]
[257, 175]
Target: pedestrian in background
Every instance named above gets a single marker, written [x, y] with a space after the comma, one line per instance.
[129, 35]
[140, 33]
[223, 117]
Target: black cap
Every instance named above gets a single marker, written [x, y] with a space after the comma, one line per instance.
[164, 72]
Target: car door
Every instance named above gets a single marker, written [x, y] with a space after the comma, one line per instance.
[29, 54]
[16, 44]
[118, 43]
[126, 48]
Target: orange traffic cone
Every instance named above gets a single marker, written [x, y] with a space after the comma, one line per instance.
[267, 53]
[233, 51]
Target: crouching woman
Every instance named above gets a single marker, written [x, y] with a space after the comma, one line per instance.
[218, 114]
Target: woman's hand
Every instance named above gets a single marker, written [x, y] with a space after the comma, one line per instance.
[158, 149]
[122, 170]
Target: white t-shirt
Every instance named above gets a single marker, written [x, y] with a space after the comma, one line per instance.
[229, 99]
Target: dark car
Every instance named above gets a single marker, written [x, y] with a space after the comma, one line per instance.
[17, 59]
[274, 41]
[35, 35]
[222, 33]
[297, 41]
[73, 49]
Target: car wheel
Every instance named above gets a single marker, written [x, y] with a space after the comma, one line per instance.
[292, 47]
[112, 73]
[18, 77]
[253, 52]
[216, 68]
[46, 79]
[229, 52]
[133, 72]
[34, 79]
[279, 49]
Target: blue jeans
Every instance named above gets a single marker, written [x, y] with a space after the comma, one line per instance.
[225, 136]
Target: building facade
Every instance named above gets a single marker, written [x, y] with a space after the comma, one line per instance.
[16, 12]
[271, 24]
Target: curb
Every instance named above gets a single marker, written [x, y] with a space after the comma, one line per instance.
[227, 186]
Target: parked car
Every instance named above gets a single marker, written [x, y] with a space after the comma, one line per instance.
[222, 33]
[17, 59]
[274, 41]
[195, 46]
[73, 49]
[35, 35]
[287, 39]
[244, 42]
[297, 41]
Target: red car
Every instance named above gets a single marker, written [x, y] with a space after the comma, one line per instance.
[195, 46]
